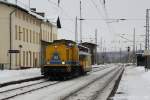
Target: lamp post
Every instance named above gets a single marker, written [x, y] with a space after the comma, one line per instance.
[76, 29]
[20, 47]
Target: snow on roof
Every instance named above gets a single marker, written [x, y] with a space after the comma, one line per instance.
[25, 8]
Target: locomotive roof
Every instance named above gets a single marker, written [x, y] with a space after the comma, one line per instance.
[64, 41]
[83, 48]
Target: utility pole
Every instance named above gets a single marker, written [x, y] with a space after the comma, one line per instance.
[134, 46]
[147, 37]
[76, 30]
[80, 21]
[147, 30]
[96, 54]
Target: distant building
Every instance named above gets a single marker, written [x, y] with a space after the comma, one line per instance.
[92, 47]
[21, 35]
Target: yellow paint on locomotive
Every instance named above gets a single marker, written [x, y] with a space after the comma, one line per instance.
[55, 48]
[85, 62]
[65, 53]
[68, 58]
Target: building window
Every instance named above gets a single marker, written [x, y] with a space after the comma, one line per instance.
[16, 13]
[24, 17]
[37, 59]
[33, 37]
[19, 15]
[24, 59]
[27, 58]
[27, 34]
[30, 58]
[37, 37]
[24, 34]
[16, 32]
[16, 58]
[33, 59]
[34, 21]
[30, 36]
[19, 32]
[20, 59]
[27, 18]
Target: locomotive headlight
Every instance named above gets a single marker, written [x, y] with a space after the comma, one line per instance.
[63, 62]
[55, 46]
[48, 62]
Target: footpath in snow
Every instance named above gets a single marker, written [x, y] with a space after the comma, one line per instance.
[134, 85]
[14, 75]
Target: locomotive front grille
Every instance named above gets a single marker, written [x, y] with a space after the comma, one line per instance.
[56, 69]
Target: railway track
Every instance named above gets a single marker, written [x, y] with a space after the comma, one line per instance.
[100, 68]
[21, 90]
[39, 78]
[10, 93]
[20, 81]
[78, 94]
[99, 91]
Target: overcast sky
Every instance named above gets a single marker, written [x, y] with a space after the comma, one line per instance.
[94, 13]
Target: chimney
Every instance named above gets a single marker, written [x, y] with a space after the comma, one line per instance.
[33, 9]
[41, 14]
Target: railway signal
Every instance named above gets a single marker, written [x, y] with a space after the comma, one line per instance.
[128, 49]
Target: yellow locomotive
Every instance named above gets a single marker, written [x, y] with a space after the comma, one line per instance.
[66, 58]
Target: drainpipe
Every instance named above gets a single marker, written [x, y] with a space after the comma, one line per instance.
[10, 28]
[41, 57]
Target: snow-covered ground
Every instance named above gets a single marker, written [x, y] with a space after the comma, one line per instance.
[54, 92]
[14, 75]
[134, 85]
[58, 91]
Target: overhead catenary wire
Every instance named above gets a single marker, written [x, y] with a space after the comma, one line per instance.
[59, 7]
[104, 17]
[107, 17]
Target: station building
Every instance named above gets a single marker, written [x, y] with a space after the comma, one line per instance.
[21, 34]
[93, 51]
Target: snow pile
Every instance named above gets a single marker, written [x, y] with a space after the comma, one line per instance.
[13, 75]
[134, 85]
[96, 66]
[104, 65]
